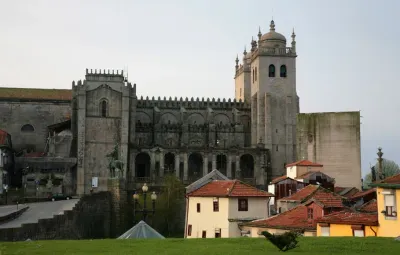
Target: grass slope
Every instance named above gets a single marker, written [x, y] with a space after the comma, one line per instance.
[253, 246]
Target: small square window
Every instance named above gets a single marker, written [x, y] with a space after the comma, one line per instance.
[243, 205]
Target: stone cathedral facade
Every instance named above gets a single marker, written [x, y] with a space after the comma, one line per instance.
[250, 138]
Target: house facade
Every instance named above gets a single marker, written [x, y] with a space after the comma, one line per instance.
[215, 209]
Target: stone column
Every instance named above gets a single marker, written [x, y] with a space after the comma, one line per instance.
[229, 166]
[214, 161]
[161, 173]
[177, 163]
[152, 165]
[238, 170]
[81, 141]
[205, 164]
[185, 167]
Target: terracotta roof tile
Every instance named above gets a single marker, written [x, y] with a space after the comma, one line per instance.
[370, 206]
[295, 218]
[327, 199]
[30, 93]
[278, 179]
[302, 194]
[395, 179]
[229, 188]
[346, 191]
[353, 218]
[304, 163]
[361, 194]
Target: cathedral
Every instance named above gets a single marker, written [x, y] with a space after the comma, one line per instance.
[250, 138]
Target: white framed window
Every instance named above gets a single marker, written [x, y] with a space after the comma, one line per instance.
[390, 205]
[358, 233]
[325, 231]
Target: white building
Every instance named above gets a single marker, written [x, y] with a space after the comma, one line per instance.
[215, 209]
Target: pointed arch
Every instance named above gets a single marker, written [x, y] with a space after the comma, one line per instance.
[27, 128]
[271, 70]
[283, 71]
[104, 108]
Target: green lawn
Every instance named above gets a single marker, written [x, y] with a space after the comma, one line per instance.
[308, 245]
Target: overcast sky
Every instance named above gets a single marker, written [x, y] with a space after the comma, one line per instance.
[348, 51]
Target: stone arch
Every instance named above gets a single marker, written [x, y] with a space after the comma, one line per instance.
[283, 71]
[143, 117]
[247, 166]
[271, 71]
[195, 119]
[142, 165]
[27, 128]
[195, 165]
[103, 107]
[168, 118]
[222, 163]
[169, 162]
[221, 118]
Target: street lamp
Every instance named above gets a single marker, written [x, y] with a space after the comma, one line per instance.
[144, 211]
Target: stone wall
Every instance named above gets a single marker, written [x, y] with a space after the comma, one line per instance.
[91, 218]
[41, 114]
[332, 139]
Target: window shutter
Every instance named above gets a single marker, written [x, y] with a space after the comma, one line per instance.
[389, 200]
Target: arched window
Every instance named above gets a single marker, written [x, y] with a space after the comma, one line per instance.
[283, 71]
[27, 128]
[255, 73]
[103, 108]
[271, 71]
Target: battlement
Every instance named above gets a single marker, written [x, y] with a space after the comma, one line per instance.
[105, 75]
[192, 103]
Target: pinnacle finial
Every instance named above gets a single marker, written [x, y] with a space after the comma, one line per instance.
[272, 25]
[293, 35]
[259, 33]
[245, 51]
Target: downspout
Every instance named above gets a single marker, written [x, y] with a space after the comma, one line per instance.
[186, 216]
[372, 230]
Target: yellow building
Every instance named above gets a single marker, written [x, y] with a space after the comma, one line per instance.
[388, 198]
[215, 209]
[383, 223]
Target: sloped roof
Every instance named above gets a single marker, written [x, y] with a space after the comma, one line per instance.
[141, 230]
[318, 194]
[302, 194]
[33, 93]
[228, 188]
[280, 178]
[310, 174]
[346, 191]
[304, 163]
[353, 218]
[370, 206]
[395, 179]
[364, 193]
[293, 219]
[213, 175]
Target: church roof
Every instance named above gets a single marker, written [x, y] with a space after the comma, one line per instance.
[140, 231]
[272, 35]
[35, 94]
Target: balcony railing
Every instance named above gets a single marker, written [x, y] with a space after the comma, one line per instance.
[276, 51]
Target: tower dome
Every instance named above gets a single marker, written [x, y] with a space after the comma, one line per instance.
[272, 38]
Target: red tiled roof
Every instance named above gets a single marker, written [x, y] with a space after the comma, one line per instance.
[295, 218]
[346, 191]
[278, 179]
[353, 218]
[339, 189]
[395, 179]
[30, 93]
[327, 198]
[310, 173]
[304, 163]
[302, 194]
[361, 194]
[229, 188]
[371, 206]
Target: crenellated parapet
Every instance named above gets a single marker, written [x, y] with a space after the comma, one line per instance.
[191, 103]
[104, 75]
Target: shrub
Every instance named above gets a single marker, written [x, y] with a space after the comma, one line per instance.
[284, 242]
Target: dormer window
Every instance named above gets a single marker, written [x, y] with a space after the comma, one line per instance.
[103, 108]
[271, 71]
[283, 71]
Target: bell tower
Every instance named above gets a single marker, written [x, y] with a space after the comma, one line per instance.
[273, 96]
